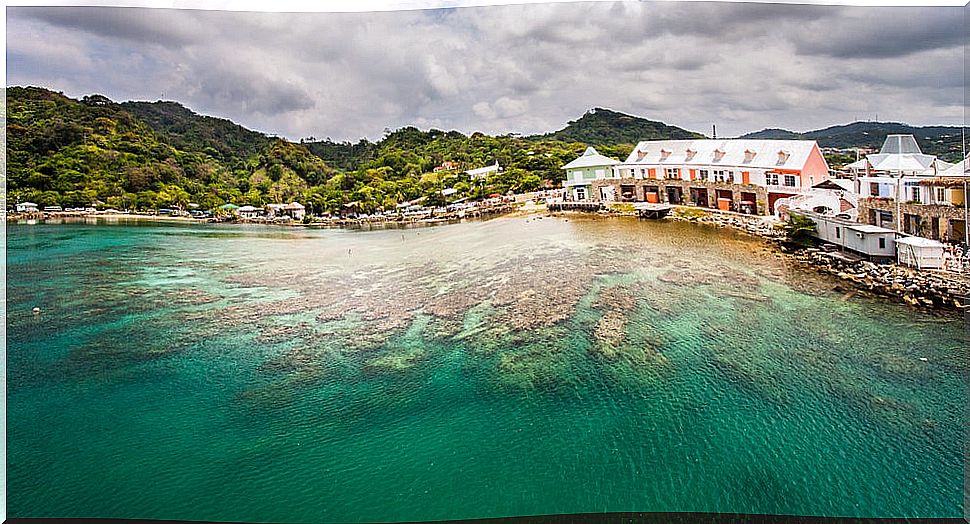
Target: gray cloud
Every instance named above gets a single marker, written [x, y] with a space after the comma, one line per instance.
[516, 68]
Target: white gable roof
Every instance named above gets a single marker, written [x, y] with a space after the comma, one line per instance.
[760, 154]
[590, 158]
[483, 170]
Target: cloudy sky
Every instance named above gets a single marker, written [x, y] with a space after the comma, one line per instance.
[516, 68]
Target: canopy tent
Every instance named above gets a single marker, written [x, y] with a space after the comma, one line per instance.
[919, 252]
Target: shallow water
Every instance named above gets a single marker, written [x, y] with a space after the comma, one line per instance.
[505, 367]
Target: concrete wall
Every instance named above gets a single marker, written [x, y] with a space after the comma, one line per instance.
[949, 220]
[761, 194]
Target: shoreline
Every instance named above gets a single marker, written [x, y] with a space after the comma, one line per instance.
[901, 284]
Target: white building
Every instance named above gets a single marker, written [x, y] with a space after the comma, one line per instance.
[249, 212]
[484, 172]
[727, 173]
[294, 210]
[26, 207]
[581, 173]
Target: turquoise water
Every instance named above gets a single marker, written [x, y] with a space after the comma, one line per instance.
[507, 367]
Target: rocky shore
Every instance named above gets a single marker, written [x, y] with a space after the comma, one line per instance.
[923, 289]
[931, 289]
[927, 289]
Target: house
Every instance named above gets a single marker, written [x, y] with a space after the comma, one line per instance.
[447, 165]
[875, 242]
[484, 172]
[914, 193]
[27, 207]
[741, 175]
[581, 173]
[293, 210]
[249, 212]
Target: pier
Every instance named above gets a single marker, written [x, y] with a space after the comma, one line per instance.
[574, 206]
[651, 210]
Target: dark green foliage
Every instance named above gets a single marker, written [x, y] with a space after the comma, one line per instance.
[184, 129]
[799, 230]
[146, 155]
[942, 141]
[604, 127]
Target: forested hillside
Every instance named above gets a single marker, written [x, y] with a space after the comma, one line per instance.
[147, 155]
[942, 141]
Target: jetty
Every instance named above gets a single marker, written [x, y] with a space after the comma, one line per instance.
[652, 210]
[561, 205]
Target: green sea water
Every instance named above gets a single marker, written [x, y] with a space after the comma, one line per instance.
[516, 366]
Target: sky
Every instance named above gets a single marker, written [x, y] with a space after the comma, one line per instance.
[511, 68]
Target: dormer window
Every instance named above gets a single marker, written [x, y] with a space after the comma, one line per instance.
[783, 157]
[718, 154]
[664, 154]
[640, 154]
[690, 154]
[749, 155]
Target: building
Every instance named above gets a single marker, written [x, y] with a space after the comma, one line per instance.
[249, 212]
[875, 242]
[581, 173]
[27, 207]
[484, 172]
[447, 165]
[921, 253]
[294, 210]
[746, 176]
[833, 197]
[914, 193]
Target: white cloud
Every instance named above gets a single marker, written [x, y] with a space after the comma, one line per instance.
[517, 68]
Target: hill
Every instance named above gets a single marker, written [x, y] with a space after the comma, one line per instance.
[943, 141]
[600, 127]
[147, 155]
[74, 153]
[183, 128]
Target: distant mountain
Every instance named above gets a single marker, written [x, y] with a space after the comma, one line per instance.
[606, 127]
[184, 129]
[942, 141]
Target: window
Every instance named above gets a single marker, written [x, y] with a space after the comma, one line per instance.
[672, 172]
[705, 176]
[941, 194]
[882, 242]
[789, 180]
[578, 175]
[720, 175]
[771, 179]
[730, 176]
[873, 189]
[916, 193]
[600, 173]
[838, 233]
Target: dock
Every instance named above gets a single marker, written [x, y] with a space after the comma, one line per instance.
[651, 210]
[574, 206]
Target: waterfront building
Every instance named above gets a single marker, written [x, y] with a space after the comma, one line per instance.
[877, 243]
[921, 253]
[26, 207]
[249, 212]
[581, 173]
[746, 176]
[914, 193]
[294, 210]
[484, 172]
